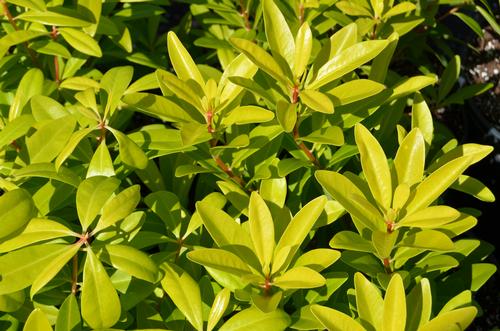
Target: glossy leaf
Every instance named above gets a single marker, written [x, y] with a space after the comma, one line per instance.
[219, 259]
[132, 261]
[73, 142]
[303, 48]
[101, 163]
[419, 305]
[91, 196]
[81, 41]
[286, 115]
[59, 17]
[99, 301]
[422, 118]
[394, 318]
[375, 167]
[351, 241]
[335, 320]
[428, 239]
[130, 153]
[181, 89]
[37, 321]
[369, 302]
[410, 159]
[31, 84]
[449, 77]
[355, 90]
[317, 101]
[261, 230]
[299, 277]
[473, 187]
[115, 82]
[254, 319]
[278, 32]
[247, 114]
[218, 308]
[430, 217]
[183, 64]
[318, 259]
[461, 318]
[184, 292]
[16, 210]
[15, 129]
[68, 318]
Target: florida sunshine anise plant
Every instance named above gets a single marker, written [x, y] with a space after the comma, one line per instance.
[242, 165]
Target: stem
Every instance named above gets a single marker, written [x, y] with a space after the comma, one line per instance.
[53, 35]
[301, 13]
[304, 148]
[387, 265]
[267, 286]
[237, 179]
[448, 13]
[74, 279]
[12, 22]
[209, 118]
[244, 14]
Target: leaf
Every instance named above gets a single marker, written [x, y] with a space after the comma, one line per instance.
[91, 196]
[461, 318]
[419, 307]
[79, 84]
[299, 278]
[335, 320]
[422, 118]
[355, 90]
[81, 41]
[50, 139]
[351, 241]
[317, 259]
[48, 170]
[219, 259]
[428, 239]
[437, 182]
[410, 159]
[58, 16]
[394, 318]
[51, 269]
[261, 58]
[449, 77]
[37, 321]
[380, 65]
[317, 101]
[100, 303]
[375, 167]
[261, 230]
[12, 302]
[383, 242]
[184, 292]
[297, 230]
[411, 85]
[72, 143]
[430, 217]
[267, 303]
[346, 61]
[467, 92]
[68, 318]
[101, 163]
[489, 18]
[183, 64]
[471, 23]
[369, 303]
[16, 210]
[475, 151]
[118, 207]
[303, 48]
[31, 84]
[254, 319]
[352, 8]
[132, 261]
[181, 89]
[15, 129]
[50, 47]
[17, 37]
[219, 306]
[130, 154]
[247, 115]
[351, 198]
[401, 8]
[115, 82]
[473, 187]
[278, 32]
[330, 135]
[18, 269]
[286, 115]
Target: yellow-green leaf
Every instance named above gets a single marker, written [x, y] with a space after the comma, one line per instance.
[37, 321]
[317, 101]
[183, 63]
[299, 278]
[335, 320]
[16, 210]
[219, 259]
[369, 302]
[395, 305]
[261, 230]
[303, 48]
[81, 41]
[278, 32]
[460, 318]
[218, 308]
[430, 217]
[130, 153]
[410, 159]
[421, 117]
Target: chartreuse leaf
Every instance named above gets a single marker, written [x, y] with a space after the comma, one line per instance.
[73, 142]
[218, 308]
[286, 115]
[11, 302]
[91, 196]
[375, 167]
[51, 269]
[422, 118]
[50, 139]
[261, 230]
[130, 153]
[254, 319]
[267, 303]
[380, 65]
[410, 85]
[16, 210]
[351, 198]
[57, 16]
[394, 318]
[473, 187]
[261, 58]
[346, 61]
[80, 84]
[247, 115]
[460, 318]
[428, 239]
[278, 32]
[317, 101]
[131, 260]
[351, 241]
[355, 90]
[384, 242]
[181, 89]
[299, 277]
[119, 207]
[17, 37]
[31, 84]
[81, 41]
[18, 269]
[37, 321]
[115, 82]
[335, 320]
[15, 129]
[330, 135]
[449, 77]
[419, 305]
[296, 232]
[303, 48]
[436, 183]
[475, 151]
[410, 158]
[274, 190]
[183, 64]
[100, 303]
[318, 259]
[430, 217]
[184, 292]
[219, 259]
[68, 318]
[241, 66]
[101, 163]
[369, 303]
[400, 8]
[378, 7]
[353, 8]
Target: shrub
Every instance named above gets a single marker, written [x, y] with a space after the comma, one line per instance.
[286, 177]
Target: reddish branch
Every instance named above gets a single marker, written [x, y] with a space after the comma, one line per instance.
[237, 179]
[74, 278]
[53, 35]
[244, 14]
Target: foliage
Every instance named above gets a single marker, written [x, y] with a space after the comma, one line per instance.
[288, 176]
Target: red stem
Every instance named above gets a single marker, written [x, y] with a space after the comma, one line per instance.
[244, 14]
